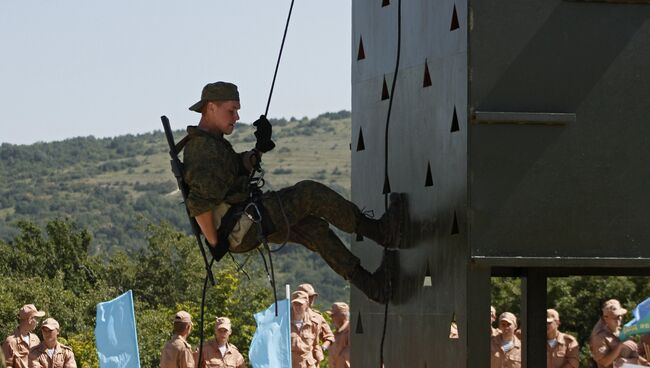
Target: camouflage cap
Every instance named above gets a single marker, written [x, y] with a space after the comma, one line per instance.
[218, 91]
[339, 308]
[223, 322]
[299, 297]
[183, 316]
[613, 307]
[307, 288]
[29, 310]
[51, 324]
[508, 317]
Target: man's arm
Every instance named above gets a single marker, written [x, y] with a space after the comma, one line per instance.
[8, 352]
[610, 357]
[572, 355]
[206, 223]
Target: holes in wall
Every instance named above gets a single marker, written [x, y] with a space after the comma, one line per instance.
[427, 77]
[362, 53]
[454, 122]
[454, 225]
[428, 181]
[384, 91]
[359, 329]
[454, 20]
[360, 143]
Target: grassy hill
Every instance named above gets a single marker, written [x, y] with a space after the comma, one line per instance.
[114, 187]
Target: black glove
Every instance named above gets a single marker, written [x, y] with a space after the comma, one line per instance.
[217, 251]
[263, 133]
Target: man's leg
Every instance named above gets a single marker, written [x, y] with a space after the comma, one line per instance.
[315, 234]
[309, 198]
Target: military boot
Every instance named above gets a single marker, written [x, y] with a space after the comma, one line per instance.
[378, 285]
[387, 231]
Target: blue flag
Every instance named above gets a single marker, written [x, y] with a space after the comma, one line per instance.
[115, 334]
[271, 345]
[640, 324]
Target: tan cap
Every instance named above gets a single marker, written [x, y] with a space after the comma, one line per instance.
[29, 310]
[223, 322]
[218, 91]
[339, 308]
[50, 323]
[182, 316]
[509, 317]
[613, 307]
[307, 288]
[552, 315]
[299, 296]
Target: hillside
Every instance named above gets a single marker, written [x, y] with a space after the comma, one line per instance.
[114, 187]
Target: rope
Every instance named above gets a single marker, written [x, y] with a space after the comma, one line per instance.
[277, 65]
[390, 106]
[201, 335]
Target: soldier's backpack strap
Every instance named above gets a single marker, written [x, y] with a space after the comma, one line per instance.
[177, 169]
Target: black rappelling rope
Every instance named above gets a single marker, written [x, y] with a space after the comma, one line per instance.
[277, 65]
[390, 106]
[201, 334]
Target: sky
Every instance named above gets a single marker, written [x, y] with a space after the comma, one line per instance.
[72, 68]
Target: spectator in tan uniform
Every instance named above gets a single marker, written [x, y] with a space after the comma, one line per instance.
[219, 353]
[50, 353]
[562, 350]
[304, 332]
[606, 348]
[505, 348]
[339, 356]
[493, 317]
[325, 335]
[16, 347]
[177, 352]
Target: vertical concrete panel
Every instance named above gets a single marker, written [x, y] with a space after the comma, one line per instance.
[419, 137]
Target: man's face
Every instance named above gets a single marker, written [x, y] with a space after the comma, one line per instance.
[551, 328]
[339, 319]
[298, 308]
[49, 336]
[507, 328]
[613, 321]
[32, 322]
[222, 115]
[222, 335]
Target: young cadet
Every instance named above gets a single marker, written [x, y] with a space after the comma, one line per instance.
[50, 353]
[304, 332]
[606, 348]
[325, 335]
[562, 350]
[16, 347]
[218, 183]
[506, 347]
[339, 356]
[177, 352]
[219, 353]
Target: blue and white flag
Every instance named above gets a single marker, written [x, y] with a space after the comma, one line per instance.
[115, 333]
[271, 345]
[641, 322]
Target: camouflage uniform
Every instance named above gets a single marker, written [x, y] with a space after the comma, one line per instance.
[215, 173]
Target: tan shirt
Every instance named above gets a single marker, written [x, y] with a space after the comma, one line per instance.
[212, 357]
[501, 359]
[177, 353]
[565, 354]
[304, 341]
[601, 343]
[324, 333]
[340, 350]
[16, 350]
[62, 357]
